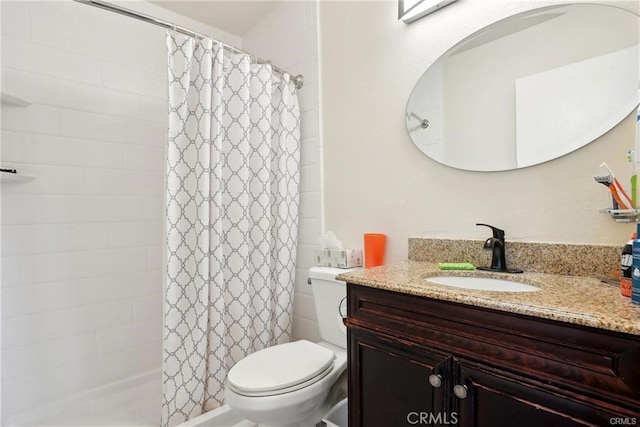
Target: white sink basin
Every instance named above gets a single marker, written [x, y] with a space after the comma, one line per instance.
[482, 283]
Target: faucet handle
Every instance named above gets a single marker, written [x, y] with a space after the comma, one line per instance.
[497, 233]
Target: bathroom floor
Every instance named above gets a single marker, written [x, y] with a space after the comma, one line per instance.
[220, 417]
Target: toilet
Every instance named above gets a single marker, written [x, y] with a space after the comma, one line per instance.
[289, 384]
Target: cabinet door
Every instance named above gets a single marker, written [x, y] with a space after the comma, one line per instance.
[390, 382]
[494, 399]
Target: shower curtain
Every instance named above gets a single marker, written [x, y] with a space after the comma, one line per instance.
[232, 218]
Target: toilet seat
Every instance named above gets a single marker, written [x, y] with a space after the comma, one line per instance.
[282, 390]
[281, 369]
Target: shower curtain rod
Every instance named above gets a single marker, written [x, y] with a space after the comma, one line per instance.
[298, 80]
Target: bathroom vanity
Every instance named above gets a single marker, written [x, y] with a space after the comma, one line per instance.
[427, 354]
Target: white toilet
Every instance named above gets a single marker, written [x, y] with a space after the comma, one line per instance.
[288, 384]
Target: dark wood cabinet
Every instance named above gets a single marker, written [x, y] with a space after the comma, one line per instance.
[420, 361]
[397, 377]
[497, 399]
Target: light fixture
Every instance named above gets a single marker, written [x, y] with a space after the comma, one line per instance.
[411, 10]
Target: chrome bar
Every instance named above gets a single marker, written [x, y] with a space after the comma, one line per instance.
[424, 123]
[298, 80]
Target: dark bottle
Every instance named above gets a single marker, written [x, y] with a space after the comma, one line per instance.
[635, 269]
[625, 268]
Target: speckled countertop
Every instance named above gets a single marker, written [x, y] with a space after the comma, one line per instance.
[573, 299]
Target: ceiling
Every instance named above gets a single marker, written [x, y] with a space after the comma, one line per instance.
[234, 16]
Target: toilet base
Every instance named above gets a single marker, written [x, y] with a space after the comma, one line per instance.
[284, 418]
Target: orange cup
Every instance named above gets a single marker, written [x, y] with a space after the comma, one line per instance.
[374, 245]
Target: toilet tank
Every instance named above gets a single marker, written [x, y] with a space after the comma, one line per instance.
[330, 295]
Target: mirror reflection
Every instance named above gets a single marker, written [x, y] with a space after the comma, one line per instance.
[528, 89]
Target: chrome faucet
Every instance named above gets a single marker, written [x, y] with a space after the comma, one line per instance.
[496, 245]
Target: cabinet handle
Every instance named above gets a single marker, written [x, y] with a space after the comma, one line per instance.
[460, 391]
[435, 380]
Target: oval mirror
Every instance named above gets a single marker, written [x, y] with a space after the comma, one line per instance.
[528, 89]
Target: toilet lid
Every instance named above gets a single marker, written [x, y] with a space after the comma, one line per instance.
[281, 366]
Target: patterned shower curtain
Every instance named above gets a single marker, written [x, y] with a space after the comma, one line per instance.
[232, 219]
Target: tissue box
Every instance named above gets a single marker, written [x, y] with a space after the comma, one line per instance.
[340, 258]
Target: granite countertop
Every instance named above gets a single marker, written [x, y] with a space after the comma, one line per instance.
[572, 299]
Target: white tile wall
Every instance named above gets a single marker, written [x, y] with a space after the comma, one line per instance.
[82, 244]
[288, 37]
[30, 56]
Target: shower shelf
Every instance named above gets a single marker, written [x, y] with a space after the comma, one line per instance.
[623, 215]
[8, 177]
[13, 101]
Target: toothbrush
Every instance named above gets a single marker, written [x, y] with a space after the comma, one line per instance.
[617, 186]
[634, 179]
[607, 181]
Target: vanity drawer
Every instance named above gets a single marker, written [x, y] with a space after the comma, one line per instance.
[583, 360]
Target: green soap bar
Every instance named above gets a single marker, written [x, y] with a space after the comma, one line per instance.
[455, 266]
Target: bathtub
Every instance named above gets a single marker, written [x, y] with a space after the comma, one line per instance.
[134, 401]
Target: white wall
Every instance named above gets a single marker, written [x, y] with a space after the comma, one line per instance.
[288, 37]
[82, 244]
[370, 62]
